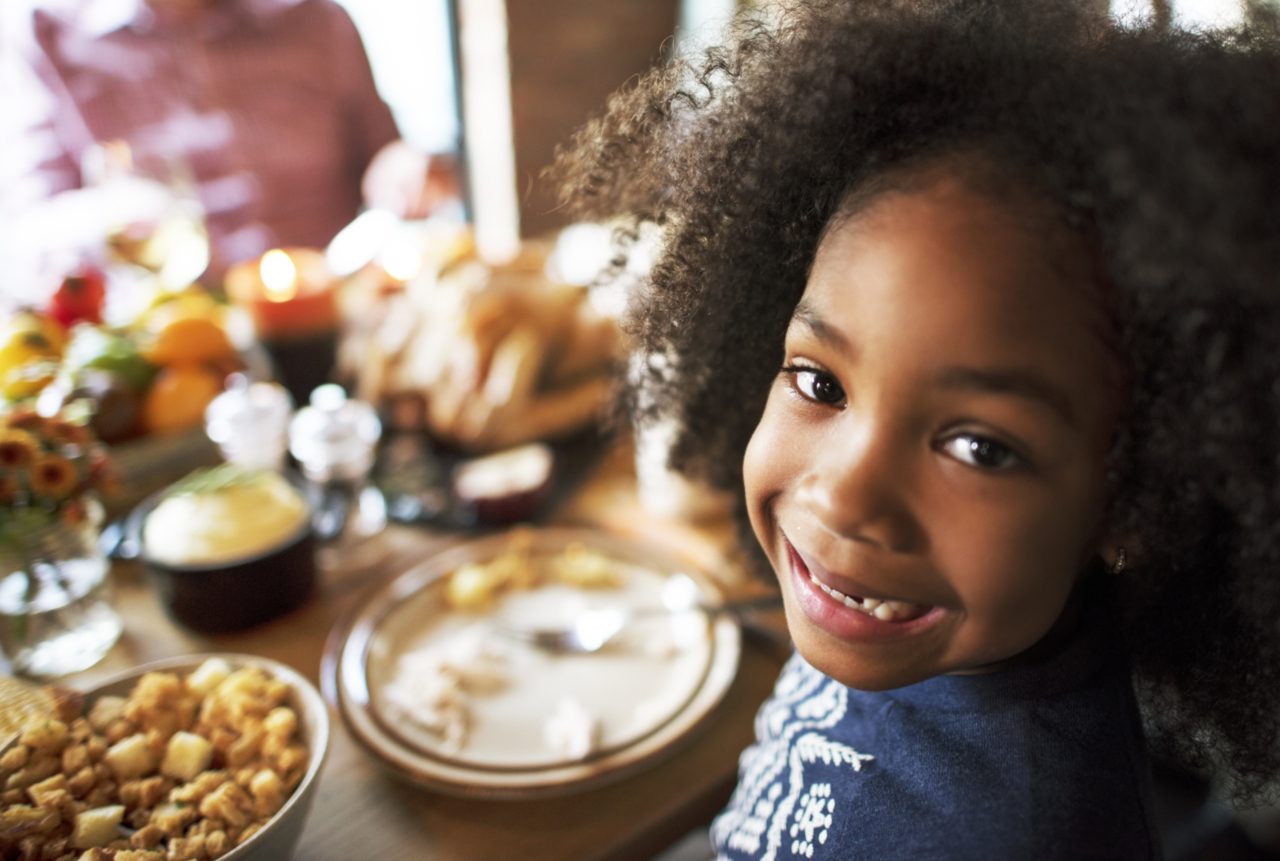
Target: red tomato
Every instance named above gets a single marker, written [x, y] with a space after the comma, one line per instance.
[80, 296]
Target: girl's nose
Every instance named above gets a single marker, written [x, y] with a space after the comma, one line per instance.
[857, 487]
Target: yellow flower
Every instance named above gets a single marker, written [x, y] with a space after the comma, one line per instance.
[17, 448]
[53, 476]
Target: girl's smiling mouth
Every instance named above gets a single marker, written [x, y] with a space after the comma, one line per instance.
[872, 617]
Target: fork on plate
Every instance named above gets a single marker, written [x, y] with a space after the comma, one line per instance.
[593, 629]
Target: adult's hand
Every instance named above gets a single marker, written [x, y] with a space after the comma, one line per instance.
[410, 183]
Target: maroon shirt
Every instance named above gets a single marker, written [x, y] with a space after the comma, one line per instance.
[268, 105]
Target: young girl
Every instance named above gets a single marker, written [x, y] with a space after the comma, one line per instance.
[976, 303]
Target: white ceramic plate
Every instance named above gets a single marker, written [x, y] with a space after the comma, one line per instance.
[644, 694]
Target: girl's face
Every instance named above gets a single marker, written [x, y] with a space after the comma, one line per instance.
[928, 475]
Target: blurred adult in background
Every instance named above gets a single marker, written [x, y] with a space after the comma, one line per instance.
[265, 110]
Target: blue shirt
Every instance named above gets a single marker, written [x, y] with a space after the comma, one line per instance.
[1041, 761]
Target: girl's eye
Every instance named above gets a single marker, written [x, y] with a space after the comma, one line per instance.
[815, 385]
[982, 452]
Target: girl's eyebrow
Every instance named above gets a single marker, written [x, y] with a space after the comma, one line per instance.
[1021, 384]
[806, 316]
[1000, 381]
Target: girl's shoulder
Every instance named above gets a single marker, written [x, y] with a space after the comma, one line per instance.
[1045, 759]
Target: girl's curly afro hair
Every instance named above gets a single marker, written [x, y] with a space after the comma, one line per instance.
[1161, 147]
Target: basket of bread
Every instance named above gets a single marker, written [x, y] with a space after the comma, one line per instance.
[486, 357]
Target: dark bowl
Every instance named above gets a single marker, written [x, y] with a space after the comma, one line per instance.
[229, 596]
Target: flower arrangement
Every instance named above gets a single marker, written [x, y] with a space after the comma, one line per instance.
[52, 471]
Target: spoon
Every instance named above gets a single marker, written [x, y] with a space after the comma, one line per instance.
[592, 630]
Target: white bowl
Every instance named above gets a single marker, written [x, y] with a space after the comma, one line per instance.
[278, 837]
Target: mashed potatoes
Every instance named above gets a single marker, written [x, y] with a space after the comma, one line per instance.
[223, 515]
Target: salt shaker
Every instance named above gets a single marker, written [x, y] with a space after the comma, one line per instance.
[250, 424]
[334, 440]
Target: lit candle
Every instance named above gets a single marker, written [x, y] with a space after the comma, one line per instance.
[288, 294]
[291, 297]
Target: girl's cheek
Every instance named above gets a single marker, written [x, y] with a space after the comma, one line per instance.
[765, 461]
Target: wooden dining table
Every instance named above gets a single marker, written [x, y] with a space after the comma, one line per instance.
[362, 809]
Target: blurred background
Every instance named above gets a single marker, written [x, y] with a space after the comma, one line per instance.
[494, 85]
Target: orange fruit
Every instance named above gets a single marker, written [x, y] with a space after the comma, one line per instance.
[178, 397]
[187, 340]
[165, 307]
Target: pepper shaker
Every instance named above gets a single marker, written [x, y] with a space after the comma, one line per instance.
[334, 439]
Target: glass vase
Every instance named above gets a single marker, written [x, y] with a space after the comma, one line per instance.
[55, 609]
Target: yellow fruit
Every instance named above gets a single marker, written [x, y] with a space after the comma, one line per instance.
[187, 340]
[26, 380]
[24, 346]
[29, 320]
[178, 397]
[168, 307]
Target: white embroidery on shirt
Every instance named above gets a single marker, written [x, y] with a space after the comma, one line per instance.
[791, 732]
[812, 819]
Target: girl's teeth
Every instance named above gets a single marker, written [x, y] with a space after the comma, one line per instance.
[885, 611]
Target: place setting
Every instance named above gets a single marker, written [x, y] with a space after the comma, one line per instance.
[534, 662]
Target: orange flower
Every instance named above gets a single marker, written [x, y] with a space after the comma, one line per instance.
[53, 476]
[17, 448]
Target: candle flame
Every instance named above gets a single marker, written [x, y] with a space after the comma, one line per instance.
[279, 276]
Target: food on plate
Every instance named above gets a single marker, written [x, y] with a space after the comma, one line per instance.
[506, 486]
[489, 357]
[182, 768]
[444, 685]
[222, 515]
[436, 689]
[571, 730]
[475, 585]
[432, 687]
[579, 565]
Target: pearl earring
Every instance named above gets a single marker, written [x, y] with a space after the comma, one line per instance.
[1118, 565]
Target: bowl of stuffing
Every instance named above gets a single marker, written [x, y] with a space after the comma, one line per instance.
[197, 757]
